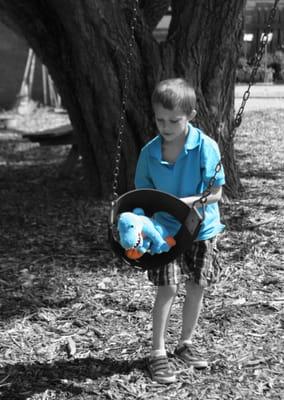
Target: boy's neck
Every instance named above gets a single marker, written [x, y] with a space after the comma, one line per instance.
[171, 150]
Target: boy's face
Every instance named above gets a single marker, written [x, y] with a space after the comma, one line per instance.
[172, 124]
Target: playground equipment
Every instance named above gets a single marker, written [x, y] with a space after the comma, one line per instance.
[51, 97]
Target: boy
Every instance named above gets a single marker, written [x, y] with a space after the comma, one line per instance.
[180, 160]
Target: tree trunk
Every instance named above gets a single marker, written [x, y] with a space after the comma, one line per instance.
[85, 46]
[204, 42]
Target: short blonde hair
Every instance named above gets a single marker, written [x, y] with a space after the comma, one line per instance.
[175, 93]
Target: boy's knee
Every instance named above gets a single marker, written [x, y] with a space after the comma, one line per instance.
[168, 290]
[191, 287]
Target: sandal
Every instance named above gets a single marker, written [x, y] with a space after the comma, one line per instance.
[190, 357]
[159, 370]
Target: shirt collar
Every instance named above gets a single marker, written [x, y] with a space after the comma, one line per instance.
[192, 141]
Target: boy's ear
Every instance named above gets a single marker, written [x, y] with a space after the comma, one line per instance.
[192, 115]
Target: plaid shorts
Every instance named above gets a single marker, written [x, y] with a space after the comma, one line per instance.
[200, 265]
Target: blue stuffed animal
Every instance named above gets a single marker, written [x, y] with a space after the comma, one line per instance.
[140, 234]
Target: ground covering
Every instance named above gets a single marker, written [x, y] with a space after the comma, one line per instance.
[76, 324]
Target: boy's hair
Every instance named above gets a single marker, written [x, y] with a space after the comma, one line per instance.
[175, 93]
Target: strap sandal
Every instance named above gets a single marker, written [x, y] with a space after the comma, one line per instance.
[190, 356]
[160, 370]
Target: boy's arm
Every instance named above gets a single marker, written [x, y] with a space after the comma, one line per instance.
[142, 179]
[209, 156]
[215, 196]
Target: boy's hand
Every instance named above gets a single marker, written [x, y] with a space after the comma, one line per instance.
[214, 196]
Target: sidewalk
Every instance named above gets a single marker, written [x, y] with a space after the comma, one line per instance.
[259, 90]
[262, 97]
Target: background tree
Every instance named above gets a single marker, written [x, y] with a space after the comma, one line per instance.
[85, 45]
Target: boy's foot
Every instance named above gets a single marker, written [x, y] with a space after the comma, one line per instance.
[160, 370]
[190, 356]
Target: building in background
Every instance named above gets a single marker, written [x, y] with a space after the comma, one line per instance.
[256, 17]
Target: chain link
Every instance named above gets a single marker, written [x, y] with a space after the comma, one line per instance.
[125, 90]
[257, 60]
[203, 199]
[246, 95]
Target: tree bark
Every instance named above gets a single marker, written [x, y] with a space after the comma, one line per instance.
[204, 42]
[85, 46]
[153, 11]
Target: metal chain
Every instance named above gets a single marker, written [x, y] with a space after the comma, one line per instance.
[246, 95]
[125, 90]
[257, 60]
[207, 191]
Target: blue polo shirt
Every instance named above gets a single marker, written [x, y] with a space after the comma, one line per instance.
[188, 176]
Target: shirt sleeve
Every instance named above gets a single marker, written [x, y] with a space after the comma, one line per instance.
[142, 177]
[210, 156]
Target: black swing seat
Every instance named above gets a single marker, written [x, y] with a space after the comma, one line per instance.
[152, 201]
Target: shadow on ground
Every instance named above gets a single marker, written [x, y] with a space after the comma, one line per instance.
[23, 381]
[48, 225]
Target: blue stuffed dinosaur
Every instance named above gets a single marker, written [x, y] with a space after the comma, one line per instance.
[140, 234]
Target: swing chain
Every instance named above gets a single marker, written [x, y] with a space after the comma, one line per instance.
[125, 91]
[246, 95]
[207, 191]
[257, 59]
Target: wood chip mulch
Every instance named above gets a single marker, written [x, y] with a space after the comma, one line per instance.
[76, 324]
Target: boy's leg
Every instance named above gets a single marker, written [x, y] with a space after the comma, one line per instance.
[191, 310]
[161, 313]
[167, 279]
[201, 271]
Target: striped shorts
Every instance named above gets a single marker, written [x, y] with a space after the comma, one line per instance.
[200, 266]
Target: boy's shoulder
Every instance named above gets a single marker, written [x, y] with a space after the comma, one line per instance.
[197, 138]
[152, 143]
[203, 136]
[206, 140]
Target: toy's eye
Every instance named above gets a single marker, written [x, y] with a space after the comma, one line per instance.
[131, 226]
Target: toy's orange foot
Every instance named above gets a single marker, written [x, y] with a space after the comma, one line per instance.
[171, 241]
[133, 254]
